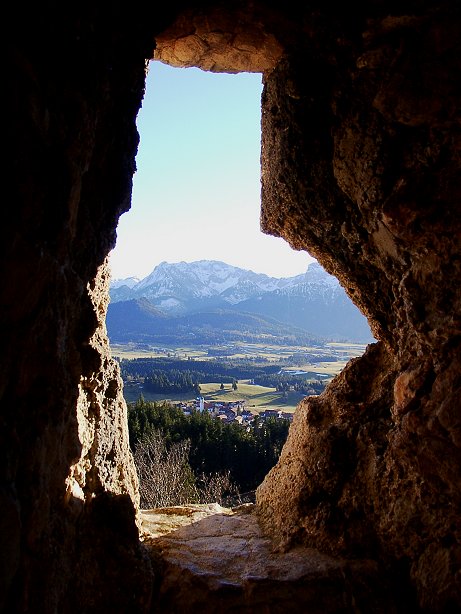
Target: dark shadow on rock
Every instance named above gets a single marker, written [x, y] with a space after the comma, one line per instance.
[223, 563]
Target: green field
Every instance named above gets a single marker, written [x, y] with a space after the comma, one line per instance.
[132, 350]
[271, 353]
[257, 397]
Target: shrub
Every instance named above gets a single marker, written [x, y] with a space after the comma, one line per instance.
[165, 476]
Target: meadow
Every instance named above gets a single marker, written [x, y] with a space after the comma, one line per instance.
[257, 398]
[325, 362]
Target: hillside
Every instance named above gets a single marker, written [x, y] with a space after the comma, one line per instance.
[138, 320]
[333, 316]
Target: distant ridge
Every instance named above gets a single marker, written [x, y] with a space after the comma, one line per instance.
[139, 321]
[313, 302]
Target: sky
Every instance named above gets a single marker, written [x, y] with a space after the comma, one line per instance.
[196, 191]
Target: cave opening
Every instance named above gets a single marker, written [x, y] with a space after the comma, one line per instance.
[361, 166]
[195, 220]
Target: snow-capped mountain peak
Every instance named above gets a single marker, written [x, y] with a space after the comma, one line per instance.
[316, 274]
[130, 282]
[172, 286]
[190, 287]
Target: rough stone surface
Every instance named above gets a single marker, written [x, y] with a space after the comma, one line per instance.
[215, 559]
[105, 461]
[68, 540]
[217, 41]
[373, 466]
[360, 165]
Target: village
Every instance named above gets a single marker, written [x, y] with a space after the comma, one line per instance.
[232, 411]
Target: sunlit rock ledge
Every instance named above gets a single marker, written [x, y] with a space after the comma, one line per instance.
[217, 559]
[163, 521]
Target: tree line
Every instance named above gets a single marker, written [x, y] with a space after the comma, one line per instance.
[209, 370]
[216, 448]
[173, 381]
[166, 375]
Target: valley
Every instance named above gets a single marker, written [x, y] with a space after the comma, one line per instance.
[209, 303]
[190, 329]
[216, 359]
[310, 364]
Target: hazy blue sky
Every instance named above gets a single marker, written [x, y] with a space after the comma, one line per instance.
[196, 192]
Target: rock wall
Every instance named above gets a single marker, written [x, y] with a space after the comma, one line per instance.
[224, 38]
[68, 490]
[364, 175]
[360, 165]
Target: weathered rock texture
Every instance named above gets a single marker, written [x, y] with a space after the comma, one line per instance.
[373, 466]
[360, 165]
[68, 535]
[105, 461]
[215, 560]
[218, 42]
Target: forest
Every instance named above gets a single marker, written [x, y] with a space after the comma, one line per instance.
[283, 382]
[168, 375]
[207, 370]
[214, 448]
[173, 381]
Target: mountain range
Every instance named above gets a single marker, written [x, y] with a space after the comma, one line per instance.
[187, 299]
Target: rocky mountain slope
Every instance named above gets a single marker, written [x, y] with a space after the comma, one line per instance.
[314, 301]
[176, 287]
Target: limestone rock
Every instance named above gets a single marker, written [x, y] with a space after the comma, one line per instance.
[215, 559]
[105, 462]
[218, 42]
[68, 534]
[373, 466]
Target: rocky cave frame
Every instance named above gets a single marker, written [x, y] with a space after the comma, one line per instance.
[360, 166]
